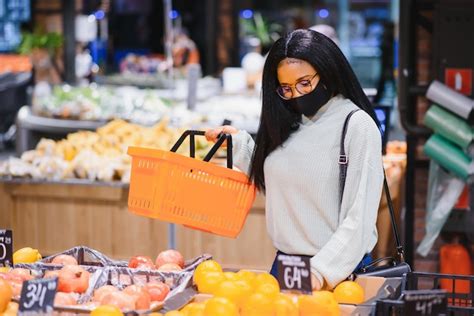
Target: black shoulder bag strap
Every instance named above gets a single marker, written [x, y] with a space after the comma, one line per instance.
[343, 162]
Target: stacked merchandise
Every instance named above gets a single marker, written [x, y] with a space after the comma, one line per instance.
[94, 156]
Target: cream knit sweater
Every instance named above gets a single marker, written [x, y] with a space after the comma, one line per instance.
[302, 189]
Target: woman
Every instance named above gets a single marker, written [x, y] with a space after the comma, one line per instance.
[309, 89]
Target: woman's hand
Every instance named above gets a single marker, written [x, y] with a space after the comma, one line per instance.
[315, 283]
[212, 134]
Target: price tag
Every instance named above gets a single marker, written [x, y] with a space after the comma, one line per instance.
[294, 273]
[6, 248]
[425, 302]
[37, 296]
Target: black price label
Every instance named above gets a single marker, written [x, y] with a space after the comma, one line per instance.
[294, 273]
[425, 302]
[6, 248]
[37, 296]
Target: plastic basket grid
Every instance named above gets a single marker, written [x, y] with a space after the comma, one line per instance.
[183, 190]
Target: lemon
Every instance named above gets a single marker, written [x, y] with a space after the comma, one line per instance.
[106, 310]
[26, 255]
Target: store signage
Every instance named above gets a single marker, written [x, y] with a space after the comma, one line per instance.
[425, 302]
[294, 273]
[459, 79]
[37, 296]
[6, 248]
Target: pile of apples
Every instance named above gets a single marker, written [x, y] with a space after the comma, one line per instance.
[168, 260]
[73, 280]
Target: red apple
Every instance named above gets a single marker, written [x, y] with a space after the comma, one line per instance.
[120, 300]
[64, 260]
[73, 279]
[103, 291]
[141, 296]
[62, 298]
[169, 256]
[167, 267]
[158, 290]
[142, 262]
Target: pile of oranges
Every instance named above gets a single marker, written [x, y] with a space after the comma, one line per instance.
[246, 293]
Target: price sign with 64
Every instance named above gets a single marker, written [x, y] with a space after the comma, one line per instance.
[6, 248]
[294, 273]
[38, 296]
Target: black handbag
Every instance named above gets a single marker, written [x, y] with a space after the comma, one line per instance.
[394, 266]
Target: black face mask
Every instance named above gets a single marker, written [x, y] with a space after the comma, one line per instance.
[309, 104]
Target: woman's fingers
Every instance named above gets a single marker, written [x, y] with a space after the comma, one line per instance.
[213, 134]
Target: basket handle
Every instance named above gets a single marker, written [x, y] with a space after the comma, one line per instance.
[192, 148]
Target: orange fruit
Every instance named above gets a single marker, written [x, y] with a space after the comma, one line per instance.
[247, 276]
[232, 291]
[220, 306]
[265, 278]
[6, 294]
[245, 289]
[231, 276]
[107, 310]
[197, 309]
[269, 289]
[257, 304]
[12, 309]
[349, 292]
[209, 282]
[194, 309]
[205, 267]
[285, 306]
[320, 303]
[174, 313]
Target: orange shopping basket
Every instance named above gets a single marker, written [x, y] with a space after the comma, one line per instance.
[183, 190]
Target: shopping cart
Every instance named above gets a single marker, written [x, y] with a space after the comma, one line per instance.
[184, 190]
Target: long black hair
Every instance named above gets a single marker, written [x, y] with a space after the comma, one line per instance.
[277, 121]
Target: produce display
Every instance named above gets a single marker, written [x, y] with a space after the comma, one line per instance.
[84, 285]
[95, 156]
[248, 293]
[100, 103]
[91, 283]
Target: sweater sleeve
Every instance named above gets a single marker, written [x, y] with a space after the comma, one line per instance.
[242, 150]
[354, 236]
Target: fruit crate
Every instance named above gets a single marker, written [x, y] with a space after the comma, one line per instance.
[85, 256]
[105, 271]
[119, 277]
[457, 291]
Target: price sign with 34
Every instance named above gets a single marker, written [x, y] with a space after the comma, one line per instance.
[37, 296]
[294, 273]
[6, 248]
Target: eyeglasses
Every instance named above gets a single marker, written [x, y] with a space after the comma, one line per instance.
[303, 87]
